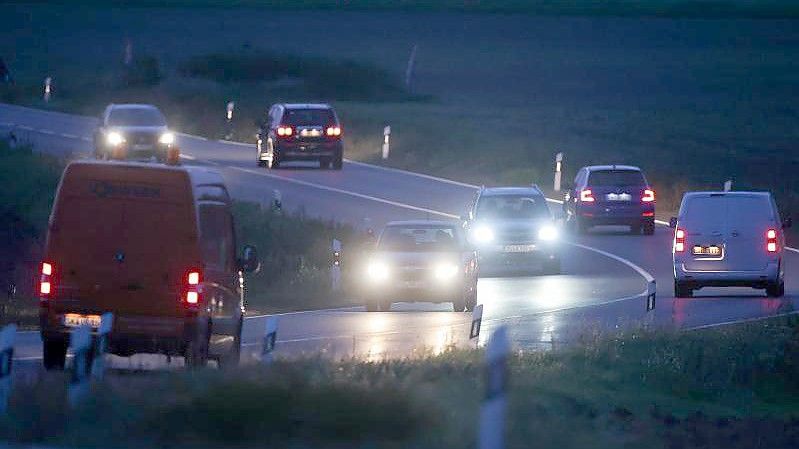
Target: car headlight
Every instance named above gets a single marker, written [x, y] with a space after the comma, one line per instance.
[445, 271]
[167, 138]
[482, 234]
[114, 138]
[378, 271]
[548, 233]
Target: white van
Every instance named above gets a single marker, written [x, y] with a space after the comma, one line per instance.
[727, 239]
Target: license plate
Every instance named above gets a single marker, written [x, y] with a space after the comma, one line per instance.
[619, 197]
[76, 319]
[518, 248]
[710, 250]
[310, 133]
[414, 284]
[142, 147]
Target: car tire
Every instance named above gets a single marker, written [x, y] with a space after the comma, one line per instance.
[648, 228]
[681, 290]
[338, 162]
[232, 358]
[324, 163]
[552, 266]
[776, 289]
[54, 353]
[196, 354]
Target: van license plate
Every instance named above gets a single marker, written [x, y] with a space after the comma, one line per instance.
[710, 250]
[518, 248]
[76, 319]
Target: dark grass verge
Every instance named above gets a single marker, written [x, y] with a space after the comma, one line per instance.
[733, 387]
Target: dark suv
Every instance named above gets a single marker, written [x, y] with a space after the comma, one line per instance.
[608, 195]
[297, 132]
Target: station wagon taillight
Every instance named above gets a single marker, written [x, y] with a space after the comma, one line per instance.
[586, 196]
[771, 241]
[193, 287]
[284, 131]
[679, 240]
[46, 279]
[333, 131]
[649, 196]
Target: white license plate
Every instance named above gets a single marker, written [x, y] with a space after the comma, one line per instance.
[518, 248]
[142, 147]
[414, 284]
[76, 319]
[619, 197]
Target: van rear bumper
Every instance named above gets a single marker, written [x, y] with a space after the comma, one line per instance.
[727, 278]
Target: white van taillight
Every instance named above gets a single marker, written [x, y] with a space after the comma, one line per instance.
[586, 196]
[46, 279]
[333, 131]
[284, 131]
[649, 196]
[679, 240]
[193, 287]
[771, 241]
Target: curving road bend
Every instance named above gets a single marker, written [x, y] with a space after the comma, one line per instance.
[603, 285]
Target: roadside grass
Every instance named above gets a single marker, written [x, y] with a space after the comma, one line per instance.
[733, 387]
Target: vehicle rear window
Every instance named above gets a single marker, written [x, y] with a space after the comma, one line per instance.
[616, 178]
[302, 117]
[512, 207]
[136, 117]
[419, 239]
[740, 210]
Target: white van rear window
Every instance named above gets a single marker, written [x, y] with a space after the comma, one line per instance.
[713, 211]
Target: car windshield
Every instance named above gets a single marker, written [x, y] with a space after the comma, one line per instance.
[512, 207]
[419, 239]
[136, 117]
[616, 178]
[302, 117]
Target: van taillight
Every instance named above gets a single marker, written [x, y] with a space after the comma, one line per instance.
[679, 241]
[46, 279]
[771, 241]
[333, 131]
[284, 131]
[193, 287]
[586, 196]
[649, 196]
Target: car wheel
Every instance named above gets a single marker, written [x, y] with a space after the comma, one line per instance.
[552, 266]
[196, 354]
[233, 356]
[324, 162]
[54, 353]
[338, 162]
[776, 289]
[275, 162]
[681, 290]
[649, 228]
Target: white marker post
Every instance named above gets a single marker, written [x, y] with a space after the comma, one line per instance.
[409, 69]
[477, 321]
[277, 201]
[492, 412]
[48, 88]
[6, 364]
[558, 167]
[128, 58]
[81, 343]
[101, 345]
[386, 135]
[229, 119]
[270, 340]
[651, 295]
[728, 185]
[335, 269]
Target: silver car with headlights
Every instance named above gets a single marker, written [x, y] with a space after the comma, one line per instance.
[134, 132]
[513, 231]
[421, 261]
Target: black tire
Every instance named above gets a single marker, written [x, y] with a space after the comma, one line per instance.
[324, 163]
[552, 267]
[232, 358]
[649, 228]
[260, 162]
[54, 353]
[196, 354]
[338, 162]
[682, 291]
[776, 289]
[275, 161]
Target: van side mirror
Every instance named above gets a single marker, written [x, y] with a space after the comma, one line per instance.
[787, 222]
[673, 222]
[249, 261]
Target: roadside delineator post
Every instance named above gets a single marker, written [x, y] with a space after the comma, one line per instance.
[651, 295]
[101, 345]
[728, 185]
[128, 58]
[229, 119]
[277, 201]
[81, 343]
[386, 136]
[493, 410]
[558, 172]
[48, 88]
[7, 336]
[270, 340]
[477, 321]
[410, 68]
[335, 269]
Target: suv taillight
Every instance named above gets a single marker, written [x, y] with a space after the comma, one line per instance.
[771, 241]
[284, 131]
[333, 131]
[193, 287]
[649, 196]
[46, 280]
[586, 196]
[679, 240]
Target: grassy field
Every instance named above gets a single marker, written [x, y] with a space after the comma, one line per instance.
[732, 388]
[692, 101]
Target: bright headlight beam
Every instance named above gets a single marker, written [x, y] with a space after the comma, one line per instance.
[445, 271]
[482, 234]
[548, 233]
[114, 138]
[377, 271]
[167, 138]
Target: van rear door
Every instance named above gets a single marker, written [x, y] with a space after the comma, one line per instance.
[703, 219]
[749, 217]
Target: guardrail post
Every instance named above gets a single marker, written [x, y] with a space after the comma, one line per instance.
[7, 336]
[558, 172]
[386, 136]
[477, 321]
[335, 269]
[728, 185]
[81, 343]
[492, 412]
[48, 88]
[270, 340]
[101, 345]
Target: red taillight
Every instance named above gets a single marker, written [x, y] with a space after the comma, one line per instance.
[679, 241]
[193, 288]
[586, 196]
[44, 288]
[333, 131]
[771, 241]
[192, 297]
[45, 281]
[193, 278]
[649, 196]
[284, 131]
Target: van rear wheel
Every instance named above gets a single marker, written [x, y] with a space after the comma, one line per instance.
[196, 354]
[681, 290]
[776, 289]
[231, 358]
[54, 353]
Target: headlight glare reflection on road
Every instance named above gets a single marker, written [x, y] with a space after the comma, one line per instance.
[482, 234]
[548, 233]
[445, 271]
[167, 138]
[114, 138]
[378, 271]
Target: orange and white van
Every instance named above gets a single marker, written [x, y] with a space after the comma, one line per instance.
[153, 244]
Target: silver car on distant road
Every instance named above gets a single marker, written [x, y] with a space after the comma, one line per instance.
[133, 131]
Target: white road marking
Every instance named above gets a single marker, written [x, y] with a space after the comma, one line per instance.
[410, 173]
[27, 128]
[69, 136]
[188, 157]
[241, 144]
[741, 321]
[47, 131]
[192, 136]
[645, 274]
